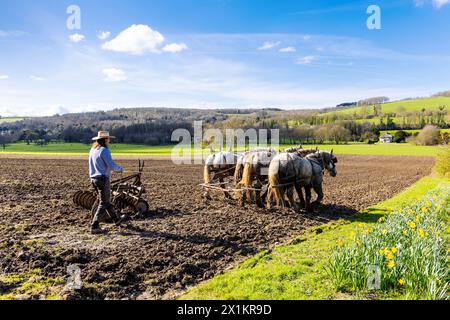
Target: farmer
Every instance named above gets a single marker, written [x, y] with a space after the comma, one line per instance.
[101, 165]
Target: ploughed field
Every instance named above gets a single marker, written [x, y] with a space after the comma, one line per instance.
[183, 241]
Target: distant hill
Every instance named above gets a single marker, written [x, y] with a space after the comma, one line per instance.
[429, 104]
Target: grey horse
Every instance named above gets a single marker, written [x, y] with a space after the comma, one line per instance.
[286, 172]
[320, 161]
[254, 166]
[219, 166]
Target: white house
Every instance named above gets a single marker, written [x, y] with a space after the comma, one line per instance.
[387, 138]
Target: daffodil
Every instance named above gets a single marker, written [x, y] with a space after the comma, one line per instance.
[381, 251]
[412, 224]
[390, 256]
[391, 264]
[405, 232]
[422, 233]
[382, 219]
[402, 282]
[394, 250]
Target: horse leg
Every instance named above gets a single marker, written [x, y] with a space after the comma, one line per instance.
[269, 197]
[308, 198]
[243, 196]
[282, 201]
[298, 188]
[290, 194]
[318, 189]
[264, 195]
[225, 193]
[258, 186]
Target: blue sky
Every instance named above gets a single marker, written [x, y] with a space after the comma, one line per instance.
[217, 53]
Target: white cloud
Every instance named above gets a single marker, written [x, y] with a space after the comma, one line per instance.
[114, 74]
[103, 35]
[137, 40]
[4, 77]
[307, 37]
[36, 78]
[436, 3]
[306, 60]
[269, 45]
[174, 47]
[288, 49]
[76, 37]
[440, 3]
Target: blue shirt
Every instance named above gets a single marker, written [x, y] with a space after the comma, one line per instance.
[101, 163]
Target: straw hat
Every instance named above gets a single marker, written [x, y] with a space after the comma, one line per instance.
[103, 135]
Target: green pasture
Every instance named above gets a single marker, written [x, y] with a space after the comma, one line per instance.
[432, 104]
[60, 148]
[297, 270]
[410, 131]
[10, 119]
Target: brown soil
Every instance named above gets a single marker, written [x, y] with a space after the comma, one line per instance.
[183, 241]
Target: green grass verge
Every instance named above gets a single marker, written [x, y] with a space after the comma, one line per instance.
[297, 270]
[403, 149]
[30, 285]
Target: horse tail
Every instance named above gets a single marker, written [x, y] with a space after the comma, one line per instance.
[274, 181]
[247, 174]
[238, 172]
[207, 174]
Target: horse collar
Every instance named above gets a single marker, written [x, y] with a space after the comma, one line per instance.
[320, 162]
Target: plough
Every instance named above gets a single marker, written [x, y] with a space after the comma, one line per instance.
[126, 196]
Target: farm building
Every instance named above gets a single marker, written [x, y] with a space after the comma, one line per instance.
[387, 138]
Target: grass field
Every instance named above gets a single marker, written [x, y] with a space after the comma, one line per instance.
[410, 131]
[9, 120]
[298, 270]
[142, 150]
[408, 105]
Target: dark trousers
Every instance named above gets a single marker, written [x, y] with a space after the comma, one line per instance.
[103, 187]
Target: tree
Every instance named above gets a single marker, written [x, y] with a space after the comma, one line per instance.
[369, 137]
[400, 136]
[321, 134]
[429, 136]
[7, 138]
[41, 142]
[338, 133]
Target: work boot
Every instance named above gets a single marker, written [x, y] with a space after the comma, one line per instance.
[95, 228]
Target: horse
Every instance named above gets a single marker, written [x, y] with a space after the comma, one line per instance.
[321, 161]
[288, 171]
[254, 174]
[219, 166]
